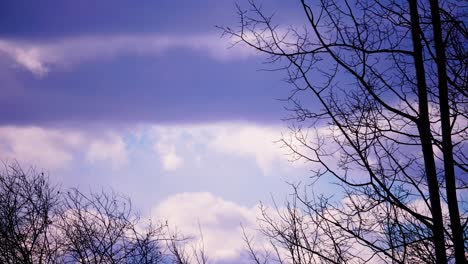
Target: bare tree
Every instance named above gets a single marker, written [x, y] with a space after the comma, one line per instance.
[41, 224]
[101, 228]
[26, 208]
[390, 80]
[187, 250]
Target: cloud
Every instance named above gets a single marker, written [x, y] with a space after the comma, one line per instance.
[42, 57]
[168, 156]
[220, 222]
[34, 145]
[56, 148]
[174, 146]
[110, 149]
[31, 58]
[258, 143]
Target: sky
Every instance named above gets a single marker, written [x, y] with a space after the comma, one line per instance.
[146, 98]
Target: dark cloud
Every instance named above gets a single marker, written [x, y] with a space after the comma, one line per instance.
[175, 87]
[178, 86]
[56, 18]
[52, 18]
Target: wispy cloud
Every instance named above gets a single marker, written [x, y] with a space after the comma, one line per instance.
[42, 57]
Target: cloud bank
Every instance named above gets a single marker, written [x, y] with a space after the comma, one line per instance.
[42, 57]
[172, 146]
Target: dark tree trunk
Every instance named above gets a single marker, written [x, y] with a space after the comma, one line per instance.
[447, 147]
[425, 134]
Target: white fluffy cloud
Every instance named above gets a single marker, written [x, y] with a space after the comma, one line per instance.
[220, 222]
[109, 149]
[168, 156]
[174, 146]
[253, 142]
[55, 148]
[257, 142]
[33, 145]
[41, 57]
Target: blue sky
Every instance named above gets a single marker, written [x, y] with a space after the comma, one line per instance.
[147, 99]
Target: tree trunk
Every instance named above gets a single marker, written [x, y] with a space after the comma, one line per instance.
[447, 147]
[426, 141]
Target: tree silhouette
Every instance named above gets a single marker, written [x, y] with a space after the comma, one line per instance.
[379, 105]
[40, 223]
[102, 228]
[27, 202]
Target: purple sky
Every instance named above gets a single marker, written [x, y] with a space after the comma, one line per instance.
[106, 61]
[146, 98]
